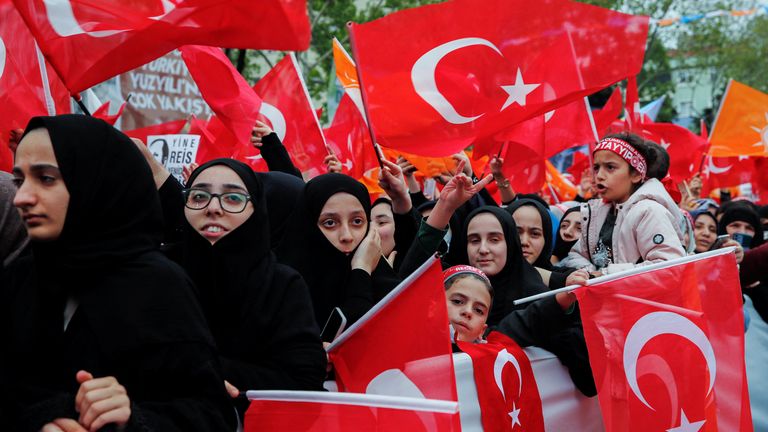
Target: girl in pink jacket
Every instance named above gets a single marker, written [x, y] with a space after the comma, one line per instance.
[635, 221]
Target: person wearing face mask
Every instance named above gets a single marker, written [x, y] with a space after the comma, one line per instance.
[99, 328]
[332, 243]
[259, 311]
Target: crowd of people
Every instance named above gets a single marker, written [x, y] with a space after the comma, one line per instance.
[134, 302]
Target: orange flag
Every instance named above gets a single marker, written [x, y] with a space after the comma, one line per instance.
[741, 126]
[564, 189]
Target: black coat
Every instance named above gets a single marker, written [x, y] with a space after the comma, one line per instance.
[136, 316]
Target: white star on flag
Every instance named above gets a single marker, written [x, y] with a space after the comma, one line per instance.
[664, 144]
[686, 426]
[515, 415]
[518, 91]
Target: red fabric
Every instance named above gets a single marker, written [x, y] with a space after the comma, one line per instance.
[288, 109]
[632, 118]
[723, 172]
[506, 388]
[387, 343]
[670, 331]
[91, 41]
[609, 113]
[224, 89]
[168, 128]
[349, 139]
[22, 94]
[685, 148]
[579, 164]
[103, 113]
[301, 416]
[436, 92]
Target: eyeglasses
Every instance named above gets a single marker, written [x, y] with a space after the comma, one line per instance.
[230, 202]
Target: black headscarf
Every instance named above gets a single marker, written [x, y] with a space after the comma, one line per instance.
[132, 302]
[743, 213]
[304, 247]
[13, 235]
[543, 260]
[281, 191]
[517, 279]
[259, 311]
[562, 247]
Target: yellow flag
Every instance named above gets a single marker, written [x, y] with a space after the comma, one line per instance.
[741, 126]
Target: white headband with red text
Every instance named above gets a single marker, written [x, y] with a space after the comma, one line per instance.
[626, 152]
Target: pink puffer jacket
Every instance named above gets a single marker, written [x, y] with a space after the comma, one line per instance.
[647, 231]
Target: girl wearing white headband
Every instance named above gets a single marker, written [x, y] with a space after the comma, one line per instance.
[634, 220]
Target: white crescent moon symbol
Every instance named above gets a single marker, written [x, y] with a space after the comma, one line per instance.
[502, 359]
[63, 21]
[275, 117]
[549, 94]
[716, 169]
[423, 77]
[658, 323]
[2, 57]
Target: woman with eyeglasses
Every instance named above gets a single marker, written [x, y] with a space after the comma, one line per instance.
[99, 328]
[259, 311]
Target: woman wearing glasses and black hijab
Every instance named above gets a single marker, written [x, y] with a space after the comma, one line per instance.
[259, 311]
[99, 329]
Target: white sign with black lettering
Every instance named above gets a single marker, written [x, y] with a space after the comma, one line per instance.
[174, 151]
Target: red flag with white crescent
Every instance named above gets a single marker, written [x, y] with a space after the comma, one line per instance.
[349, 139]
[666, 345]
[382, 354]
[438, 87]
[288, 109]
[88, 41]
[686, 149]
[506, 387]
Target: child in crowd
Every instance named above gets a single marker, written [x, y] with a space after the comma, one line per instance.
[636, 221]
[469, 294]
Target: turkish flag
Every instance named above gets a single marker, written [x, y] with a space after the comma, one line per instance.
[28, 85]
[224, 89]
[609, 113]
[741, 126]
[685, 148]
[382, 354]
[723, 172]
[580, 163]
[299, 411]
[103, 113]
[90, 41]
[666, 345]
[438, 86]
[632, 117]
[168, 128]
[288, 109]
[349, 139]
[506, 388]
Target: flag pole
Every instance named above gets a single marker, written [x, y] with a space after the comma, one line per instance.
[79, 100]
[630, 272]
[379, 154]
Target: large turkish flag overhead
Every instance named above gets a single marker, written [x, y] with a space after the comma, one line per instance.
[467, 69]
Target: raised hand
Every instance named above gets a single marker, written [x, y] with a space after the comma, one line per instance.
[391, 179]
[460, 188]
[368, 254]
[259, 131]
[332, 163]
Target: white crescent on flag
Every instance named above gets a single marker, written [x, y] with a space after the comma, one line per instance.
[657, 323]
[275, 117]
[714, 169]
[2, 57]
[423, 77]
[502, 358]
[62, 19]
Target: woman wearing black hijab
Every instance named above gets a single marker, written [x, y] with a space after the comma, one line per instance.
[96, 312]
[13, 236]
[741, 218]
[536, 234]
[330, 244]
[259, 311]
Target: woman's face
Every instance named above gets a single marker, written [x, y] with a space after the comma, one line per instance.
[214, 222]
[382, 216]
[570, 226]
[486, 245]
[42, 197]
[531, 232]
[740, 227]
[705, 233]
[343, 221]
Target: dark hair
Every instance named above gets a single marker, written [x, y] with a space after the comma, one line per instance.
[660, 168]
[452, 280]
[644, 147]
